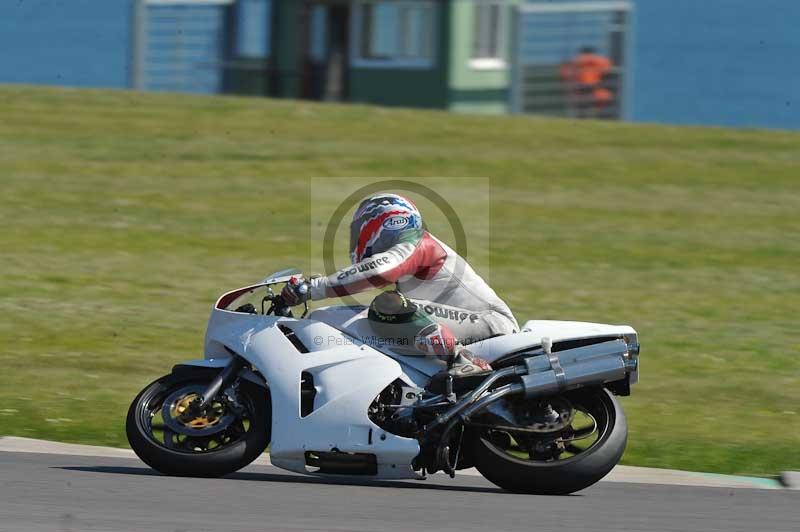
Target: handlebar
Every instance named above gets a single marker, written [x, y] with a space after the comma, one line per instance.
[279, 307]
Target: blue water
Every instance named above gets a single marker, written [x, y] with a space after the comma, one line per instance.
[82, 43]
[726, 62]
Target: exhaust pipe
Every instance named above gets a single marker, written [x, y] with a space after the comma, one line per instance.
[547, 374]
[552, 373]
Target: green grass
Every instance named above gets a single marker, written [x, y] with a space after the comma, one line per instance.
[124, 215]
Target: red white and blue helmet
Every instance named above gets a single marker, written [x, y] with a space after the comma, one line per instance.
[382, 221]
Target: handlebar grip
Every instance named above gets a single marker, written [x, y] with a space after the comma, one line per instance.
[299, 287]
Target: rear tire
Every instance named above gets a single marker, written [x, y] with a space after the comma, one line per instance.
[217, 462]
[557, 477]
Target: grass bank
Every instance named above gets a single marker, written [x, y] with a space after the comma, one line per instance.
[124, 215]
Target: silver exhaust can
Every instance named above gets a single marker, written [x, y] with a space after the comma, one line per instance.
[592, 365]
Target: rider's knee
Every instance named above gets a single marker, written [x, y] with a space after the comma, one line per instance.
[437, 339]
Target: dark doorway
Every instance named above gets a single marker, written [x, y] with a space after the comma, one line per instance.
[336, 86]
[327, 53]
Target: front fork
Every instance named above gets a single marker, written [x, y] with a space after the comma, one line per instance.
[225, 377]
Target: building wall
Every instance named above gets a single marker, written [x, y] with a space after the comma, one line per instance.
[285, 56]
[401, 88]
[472, 89]
[82, 43]
[409, 87]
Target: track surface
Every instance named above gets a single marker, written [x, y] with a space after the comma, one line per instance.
[71, 493]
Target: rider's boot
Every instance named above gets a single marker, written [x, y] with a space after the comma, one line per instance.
[438, 339]
[466, 364]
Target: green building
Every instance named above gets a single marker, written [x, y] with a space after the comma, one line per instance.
[555, 57]
[443, 54]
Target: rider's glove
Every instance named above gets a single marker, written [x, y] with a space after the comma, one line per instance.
[296, 291]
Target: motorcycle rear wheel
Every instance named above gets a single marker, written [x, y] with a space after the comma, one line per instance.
[229, 441]
[556, 476]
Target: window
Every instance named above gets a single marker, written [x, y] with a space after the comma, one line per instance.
[318, 33]
[487, 37]
[394, 34]
[253, 22]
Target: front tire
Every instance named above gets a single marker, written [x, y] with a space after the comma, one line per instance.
[219, 444]
[556, 476]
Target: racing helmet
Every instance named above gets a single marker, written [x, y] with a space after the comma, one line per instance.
[382, 221]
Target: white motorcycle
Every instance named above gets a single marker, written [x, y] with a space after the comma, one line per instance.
[331, 399]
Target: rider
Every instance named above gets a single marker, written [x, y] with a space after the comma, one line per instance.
[440, 302]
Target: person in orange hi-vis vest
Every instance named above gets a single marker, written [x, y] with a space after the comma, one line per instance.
[583, 79]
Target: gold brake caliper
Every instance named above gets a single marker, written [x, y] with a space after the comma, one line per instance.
[211, 418]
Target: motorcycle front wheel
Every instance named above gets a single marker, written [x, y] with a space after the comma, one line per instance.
[232, 432]
[580, 453]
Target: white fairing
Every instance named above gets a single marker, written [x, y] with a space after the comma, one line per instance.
[350, 367]
[347, 376]
[353, 321]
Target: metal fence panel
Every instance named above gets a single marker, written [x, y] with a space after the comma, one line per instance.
[547, 63]
[179, 45]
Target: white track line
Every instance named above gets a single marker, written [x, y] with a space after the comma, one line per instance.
[13, 444]
[635, 475]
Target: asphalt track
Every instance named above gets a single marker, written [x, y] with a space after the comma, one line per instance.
[43, 492]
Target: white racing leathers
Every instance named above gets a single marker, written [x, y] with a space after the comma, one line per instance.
[437, 279]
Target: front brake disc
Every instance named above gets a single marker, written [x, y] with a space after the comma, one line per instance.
[213, 420]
